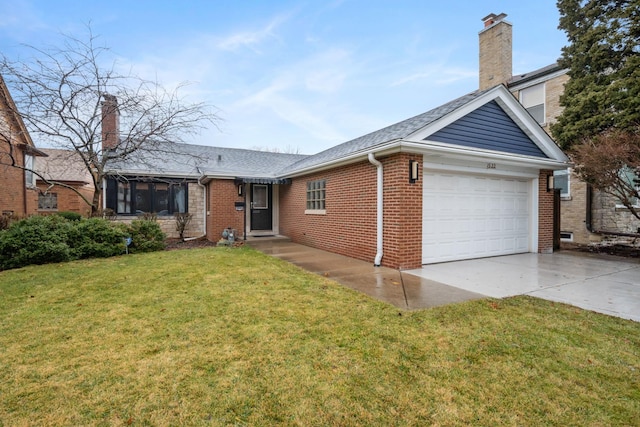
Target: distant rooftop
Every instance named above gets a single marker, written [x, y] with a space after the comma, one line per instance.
[541, 72]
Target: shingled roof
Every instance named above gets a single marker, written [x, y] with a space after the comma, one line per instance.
[197, 160]
[380, 137]
[190, 160]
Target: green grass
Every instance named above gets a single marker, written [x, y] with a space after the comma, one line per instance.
[234, 337]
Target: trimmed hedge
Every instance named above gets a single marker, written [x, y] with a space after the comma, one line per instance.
[54, 238]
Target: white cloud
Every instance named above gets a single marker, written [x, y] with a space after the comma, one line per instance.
[438, 74]
[251, 39]
[327, 71]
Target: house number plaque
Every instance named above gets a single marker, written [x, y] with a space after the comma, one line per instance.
[491, 165]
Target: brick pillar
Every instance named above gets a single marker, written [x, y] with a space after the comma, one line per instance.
[221, 198]
[402, 244]
[495, 51]
[545, 214]
[110, 122]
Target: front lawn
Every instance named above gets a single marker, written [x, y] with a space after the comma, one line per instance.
[233, 337]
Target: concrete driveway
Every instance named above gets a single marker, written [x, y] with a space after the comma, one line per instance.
[608, 285]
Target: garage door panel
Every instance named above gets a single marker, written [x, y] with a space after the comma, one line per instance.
[473, 216]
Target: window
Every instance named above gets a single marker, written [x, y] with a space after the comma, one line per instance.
[566, 236]
[561, 180]
[532, 98]
[48, 202]
[124, 198]
[632, 182]
[316, 195]
[260, 197]
[29, 176]
[137, 197]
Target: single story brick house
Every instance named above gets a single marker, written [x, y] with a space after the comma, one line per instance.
[465, 180]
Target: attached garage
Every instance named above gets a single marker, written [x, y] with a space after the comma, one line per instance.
[475, 215]
[467, 179]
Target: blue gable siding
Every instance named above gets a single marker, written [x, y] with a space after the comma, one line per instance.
[490, 128]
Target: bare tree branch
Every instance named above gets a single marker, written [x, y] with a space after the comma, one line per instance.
[59, 94]
[610, 162]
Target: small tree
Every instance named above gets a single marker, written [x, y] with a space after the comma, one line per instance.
[610, 162]
[183, 219]
[60, 92]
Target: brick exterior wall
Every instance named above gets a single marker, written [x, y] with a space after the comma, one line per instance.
[402, 213]
[349, 225]
[69, 200]
[222, 195]
[495, 55]
[573, 212]
[545, 214]
[553, 89]
[15, 197]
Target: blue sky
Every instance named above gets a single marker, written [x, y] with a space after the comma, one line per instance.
[295, 75]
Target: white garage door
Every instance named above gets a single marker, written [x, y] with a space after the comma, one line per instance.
[473, 216]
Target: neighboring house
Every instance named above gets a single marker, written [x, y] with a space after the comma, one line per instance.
[465, 180]
[586, 214]
[18, 193]
[66, 181]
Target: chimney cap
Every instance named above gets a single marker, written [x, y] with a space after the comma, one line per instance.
[110, 98]
[492, 18]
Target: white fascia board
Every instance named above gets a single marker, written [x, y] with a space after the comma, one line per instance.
[443, 150]
[512, 108]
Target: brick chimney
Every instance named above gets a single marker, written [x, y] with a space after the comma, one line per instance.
[495, 51]
[110, 122]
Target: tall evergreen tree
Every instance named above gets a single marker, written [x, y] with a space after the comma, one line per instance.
[603, 59]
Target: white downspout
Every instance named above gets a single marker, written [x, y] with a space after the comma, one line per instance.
[379, 217]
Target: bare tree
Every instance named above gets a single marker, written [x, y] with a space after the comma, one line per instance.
[289, 149]
[60, 93]
[610, 162]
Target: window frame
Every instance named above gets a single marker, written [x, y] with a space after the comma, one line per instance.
[632, 176]
[522, 94]
[29, 167]
[125, 198]
[566, 172]
[50, 197]
[316, 197]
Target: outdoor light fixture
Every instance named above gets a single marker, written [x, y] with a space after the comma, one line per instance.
[413, 171]
[239, 189]
[550, 183]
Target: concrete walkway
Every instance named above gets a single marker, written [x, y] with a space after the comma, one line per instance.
[406, 291]
[603, 284]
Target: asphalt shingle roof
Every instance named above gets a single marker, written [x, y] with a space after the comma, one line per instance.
[195, 160]
[390, 133]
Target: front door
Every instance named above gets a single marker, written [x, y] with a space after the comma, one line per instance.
[261, 209]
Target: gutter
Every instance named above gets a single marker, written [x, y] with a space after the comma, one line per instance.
[379, 216]
[431, 147]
